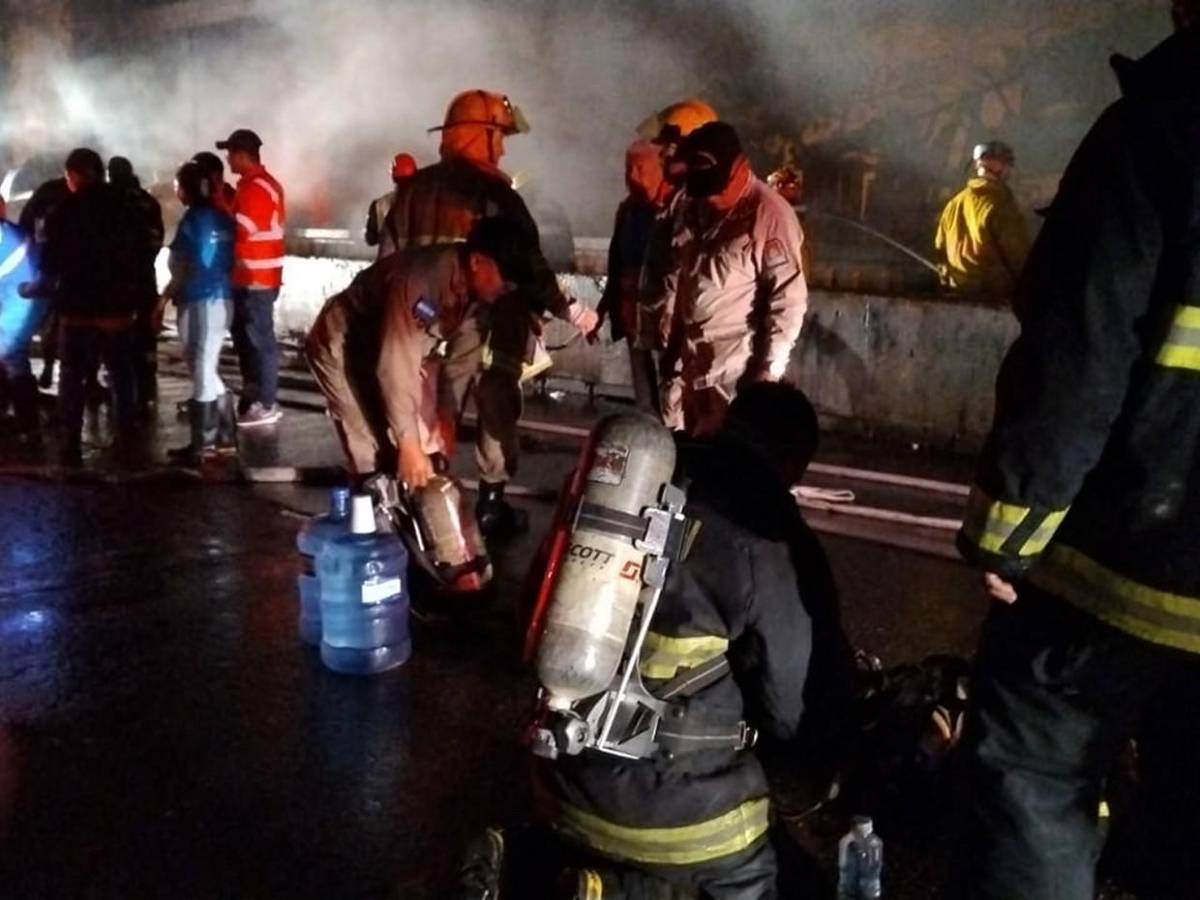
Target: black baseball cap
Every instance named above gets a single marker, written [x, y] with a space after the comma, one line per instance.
[506, 242]
[242, 139]
[709, 153]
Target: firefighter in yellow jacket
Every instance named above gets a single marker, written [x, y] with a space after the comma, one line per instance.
[439, 205]
[982, 240]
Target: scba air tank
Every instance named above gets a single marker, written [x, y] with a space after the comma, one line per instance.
[452, 535]
[628, 461]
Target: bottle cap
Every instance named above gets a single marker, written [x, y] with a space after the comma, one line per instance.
[362, 515]
[339, 502]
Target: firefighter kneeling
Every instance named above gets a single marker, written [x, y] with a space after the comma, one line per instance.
[692, 614]
[375, 347]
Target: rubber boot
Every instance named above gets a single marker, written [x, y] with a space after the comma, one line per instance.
[497, 519]
[25, 397]
[202, 417]
[482, 869]
[226, 423]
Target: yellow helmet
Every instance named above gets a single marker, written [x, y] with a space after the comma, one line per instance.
[483, 109]
[677, 121]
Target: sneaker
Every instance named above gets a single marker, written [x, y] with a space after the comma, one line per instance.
[258, 414]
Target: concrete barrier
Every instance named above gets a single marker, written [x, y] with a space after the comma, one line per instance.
[922, 369]
[919, 369]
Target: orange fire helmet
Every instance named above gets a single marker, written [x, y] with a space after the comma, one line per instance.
[483, 109]
[669, 125]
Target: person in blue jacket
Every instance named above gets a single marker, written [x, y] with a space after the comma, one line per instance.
[20, 318]
[201, 264]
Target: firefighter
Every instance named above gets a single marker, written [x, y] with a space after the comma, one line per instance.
[647, 198]
[371, 343]
[734, 294]
[1086, 509]
[981, 239]
[20, 317]
[670, 125]
[438, 205]
[746, 637]
[665, 129]
[122, 177]
[260, 212]
[403, 167]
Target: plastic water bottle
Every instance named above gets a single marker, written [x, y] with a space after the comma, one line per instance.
[315, 534]
[860, 862]
[364, 597]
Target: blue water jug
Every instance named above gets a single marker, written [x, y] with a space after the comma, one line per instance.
[315, 534]
[364, 597]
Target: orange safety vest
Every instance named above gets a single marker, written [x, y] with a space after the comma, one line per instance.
[258, 248]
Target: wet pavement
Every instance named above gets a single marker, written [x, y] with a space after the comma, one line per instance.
[163, 733]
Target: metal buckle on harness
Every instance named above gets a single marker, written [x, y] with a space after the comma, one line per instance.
[747, 736]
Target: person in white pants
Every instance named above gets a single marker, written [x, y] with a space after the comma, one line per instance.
[201, 263]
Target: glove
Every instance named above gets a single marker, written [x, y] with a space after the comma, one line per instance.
[414, 466]
[584, 318]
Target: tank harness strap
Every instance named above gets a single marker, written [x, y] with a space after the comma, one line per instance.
[606, 520]
[694, 680]
[676, 736]
[735, 736]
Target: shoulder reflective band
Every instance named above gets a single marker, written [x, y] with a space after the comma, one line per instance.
[733, 832]
[1007, 528]
[1182, 349]
[14, 259]
[1138, 609]
[663, 656]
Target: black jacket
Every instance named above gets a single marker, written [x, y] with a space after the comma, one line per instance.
[754, 585]
[1089, 484]
[94, 252]
[150, 237]
[37, 210]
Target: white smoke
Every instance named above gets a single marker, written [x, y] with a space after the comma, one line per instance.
[335, 87]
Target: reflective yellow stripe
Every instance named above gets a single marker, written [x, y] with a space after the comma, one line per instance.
[989, 524]
[1041, 538]
[1140, 610]
[591, 886]
[1182, 349]
[663, 656]
[727, 834]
